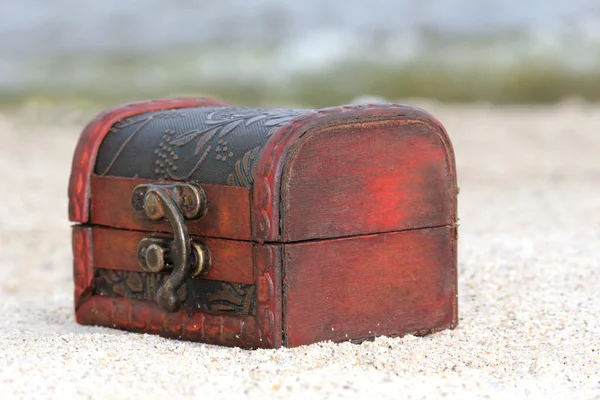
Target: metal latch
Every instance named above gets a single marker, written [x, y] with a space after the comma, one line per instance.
[176, 203]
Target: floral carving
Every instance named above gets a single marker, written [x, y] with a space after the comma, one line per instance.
[140, 124]
[219, 124]
[207, 145]
[244, 169]
[196, 293]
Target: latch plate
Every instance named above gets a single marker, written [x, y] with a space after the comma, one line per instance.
[190, 199]
[153, 256]
[175, 202]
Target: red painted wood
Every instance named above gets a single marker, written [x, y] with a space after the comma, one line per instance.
[228, 213]
[261, 331]
[188, 324]
[366, 177]
[83, 273]
[337, 172]
[270, 176]
[117, 249]
[356, 288]
[86, 151]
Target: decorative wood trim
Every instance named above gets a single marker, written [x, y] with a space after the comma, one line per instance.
[146, 317]
[84, 157]
[267, 259]
[83, 272]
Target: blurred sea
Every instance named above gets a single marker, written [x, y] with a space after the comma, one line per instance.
[91, 47]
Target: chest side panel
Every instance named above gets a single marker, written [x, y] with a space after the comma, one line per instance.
[358, 288]
[363, 178]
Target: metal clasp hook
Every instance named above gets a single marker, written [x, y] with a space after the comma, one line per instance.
[175, 202]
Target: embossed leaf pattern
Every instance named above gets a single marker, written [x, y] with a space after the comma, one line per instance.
[124, 123]
[205, 139]
[119, 288]
[256, 119]
[185, 138]
[170, 114]
[121, 283]
[135, 283]
[246, 159]
[229, 127]
[113, 275]
[278, 121]
[243, 172]
[211, 121]
[220, 138]
[203, 131]
[221, 123]
[228, 298]
[210, 295]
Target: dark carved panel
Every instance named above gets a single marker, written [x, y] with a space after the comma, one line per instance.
[196, 293]
[216, 145]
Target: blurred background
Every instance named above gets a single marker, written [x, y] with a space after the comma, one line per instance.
[515, 82]
[299, 52]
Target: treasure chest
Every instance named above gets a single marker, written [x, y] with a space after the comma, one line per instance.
[262, 228]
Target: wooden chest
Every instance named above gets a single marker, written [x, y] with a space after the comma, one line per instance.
[264, 227]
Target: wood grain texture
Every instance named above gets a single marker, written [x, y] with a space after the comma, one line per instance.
[364, 178]
[145, 317]
[84, 158]
[117, 250]
[270, 180]
[228, 214]
[357, 288]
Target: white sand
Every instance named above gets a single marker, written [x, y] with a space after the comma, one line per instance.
[529, 284]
